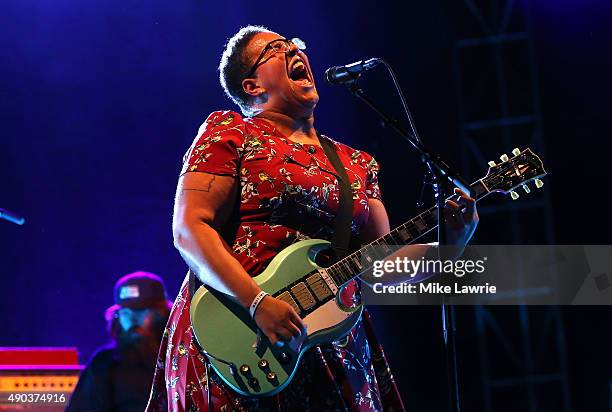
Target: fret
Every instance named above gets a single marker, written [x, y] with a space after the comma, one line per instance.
[376, 249]
[382, 242]
[367, 255]
[333, 273]
[404, 234]
[387, 240]
[340, 273]
[354, 267]
[356, 258]
[411, 228]
[346, 270]
[348, 263]
[419, 223]
[431, 217]
[397, 239]
[356, 261]
[479, 189]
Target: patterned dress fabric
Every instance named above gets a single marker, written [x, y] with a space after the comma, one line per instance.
[288, 192]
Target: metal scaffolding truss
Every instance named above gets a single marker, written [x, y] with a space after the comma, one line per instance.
[499, 109]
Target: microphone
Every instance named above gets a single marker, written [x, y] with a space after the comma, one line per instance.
[350, 72]
[11, 217]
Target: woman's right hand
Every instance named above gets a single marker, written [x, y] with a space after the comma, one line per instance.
[278, 320]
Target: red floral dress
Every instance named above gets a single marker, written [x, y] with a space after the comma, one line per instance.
[289, 192]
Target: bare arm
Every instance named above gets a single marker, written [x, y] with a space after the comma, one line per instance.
[203, 204]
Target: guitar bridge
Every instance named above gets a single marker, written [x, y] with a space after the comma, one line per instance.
[328, 281]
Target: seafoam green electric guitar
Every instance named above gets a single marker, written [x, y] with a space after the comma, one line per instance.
[240, 353]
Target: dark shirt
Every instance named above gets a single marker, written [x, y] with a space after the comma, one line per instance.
[111, 383]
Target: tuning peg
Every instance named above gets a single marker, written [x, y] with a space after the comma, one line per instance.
[539, 183]
[514, 195]
[491, 163]
[504, 157]
[526, 188]
[516, 151]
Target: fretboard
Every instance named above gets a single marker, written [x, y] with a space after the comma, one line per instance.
[357, 262]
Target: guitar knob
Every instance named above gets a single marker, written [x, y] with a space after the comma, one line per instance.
[514, 195]
[284, 357]
[539, 183]
[263, 364]
[526, 189]
[504, 157]
[491, 163]
[516, 151]
[245, 370]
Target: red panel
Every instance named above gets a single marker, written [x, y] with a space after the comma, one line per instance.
[38, 356]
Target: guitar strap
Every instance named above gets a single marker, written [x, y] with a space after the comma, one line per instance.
[342, 226]
[341, 238]
[193, 282]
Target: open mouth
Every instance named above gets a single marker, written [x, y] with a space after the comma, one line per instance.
[298, 73]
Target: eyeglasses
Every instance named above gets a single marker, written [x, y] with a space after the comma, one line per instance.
[273, 47]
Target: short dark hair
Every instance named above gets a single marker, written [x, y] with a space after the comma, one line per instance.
[234, 66]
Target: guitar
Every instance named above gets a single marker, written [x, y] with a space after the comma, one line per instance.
[242, 355]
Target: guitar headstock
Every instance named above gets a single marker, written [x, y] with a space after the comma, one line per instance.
[513, 172]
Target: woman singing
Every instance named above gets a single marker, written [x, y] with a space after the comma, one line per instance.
[251, 185]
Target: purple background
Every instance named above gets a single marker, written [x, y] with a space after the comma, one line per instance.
[99, 100]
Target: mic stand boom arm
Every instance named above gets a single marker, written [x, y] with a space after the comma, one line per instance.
[440, 169]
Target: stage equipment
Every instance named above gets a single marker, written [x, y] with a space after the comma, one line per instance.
[37, 379]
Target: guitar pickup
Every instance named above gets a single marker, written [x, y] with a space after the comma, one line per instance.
[303, 296]
[319, 287]
[286, 297]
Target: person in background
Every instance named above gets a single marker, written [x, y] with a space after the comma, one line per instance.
[118, 377]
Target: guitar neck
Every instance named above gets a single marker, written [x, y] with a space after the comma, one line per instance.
[352, 265]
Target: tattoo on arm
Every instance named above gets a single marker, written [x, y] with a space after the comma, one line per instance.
[206, 189]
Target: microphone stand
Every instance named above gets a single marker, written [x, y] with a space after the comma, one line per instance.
[440, 172]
